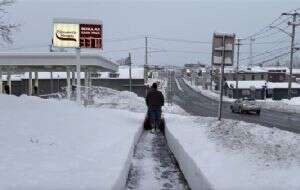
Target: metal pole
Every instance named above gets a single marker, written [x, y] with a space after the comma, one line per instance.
[1, 83]
[146, 60]
[292, 56]
[36, 83]
[51, 82]
[78, 91]
[130, 76]
[30, 84]
[221, 81]
[68, 84]
[237, 68]
[251, 51]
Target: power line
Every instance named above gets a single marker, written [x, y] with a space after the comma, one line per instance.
[262, 30]
[180, 40]
[158, 50]
[111, 40]
[273, 58]
[265, 52]
[124, 50]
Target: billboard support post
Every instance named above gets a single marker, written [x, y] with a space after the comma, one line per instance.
[221, 81]
[222, 55]
[78, 91]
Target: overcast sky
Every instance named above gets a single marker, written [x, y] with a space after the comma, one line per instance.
[132, 20]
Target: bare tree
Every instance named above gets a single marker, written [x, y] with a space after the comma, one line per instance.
[6, 28]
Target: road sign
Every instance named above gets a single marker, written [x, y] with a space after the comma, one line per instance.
[223, 49]
[77, 33]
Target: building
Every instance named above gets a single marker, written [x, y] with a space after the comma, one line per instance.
[260, 89]
[51, 72]
[246, 74]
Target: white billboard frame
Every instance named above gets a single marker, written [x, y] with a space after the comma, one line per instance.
[78, 22]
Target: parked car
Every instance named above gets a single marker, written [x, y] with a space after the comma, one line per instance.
[245, 105]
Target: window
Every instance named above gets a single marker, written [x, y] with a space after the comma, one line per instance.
[245, 92]
[253, 77]
[262, 77]
[243, 77]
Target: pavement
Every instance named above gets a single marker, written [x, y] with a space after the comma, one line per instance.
[197, 104]
[153, 165]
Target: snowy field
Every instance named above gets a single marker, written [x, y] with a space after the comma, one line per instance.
[292, 105]
[60, 145]
[50, 144]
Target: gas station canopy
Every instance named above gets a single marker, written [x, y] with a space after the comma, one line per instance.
[54, 61]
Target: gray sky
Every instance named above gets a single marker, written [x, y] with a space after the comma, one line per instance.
[189, 20]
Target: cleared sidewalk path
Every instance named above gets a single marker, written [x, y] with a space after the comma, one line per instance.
[154, 166]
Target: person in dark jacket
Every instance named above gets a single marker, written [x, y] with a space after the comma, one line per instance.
[154, 100]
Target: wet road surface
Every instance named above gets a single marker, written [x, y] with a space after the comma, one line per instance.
[196, 104]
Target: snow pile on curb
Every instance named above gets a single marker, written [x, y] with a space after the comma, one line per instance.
[284, 105]
[234, 155]
[125, 100]
[207, 93]
[50, 144]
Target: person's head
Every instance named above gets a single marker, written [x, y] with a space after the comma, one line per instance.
[154, 86]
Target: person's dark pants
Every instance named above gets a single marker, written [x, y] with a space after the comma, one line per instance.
[155, 117]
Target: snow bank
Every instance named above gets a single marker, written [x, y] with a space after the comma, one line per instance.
[105, 97]
[284, 105]
[50, 144]
[234, 155]
[207, 93]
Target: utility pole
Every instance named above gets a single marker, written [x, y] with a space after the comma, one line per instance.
[146, 60]
[293, 24]
[237, 68]
[251, 52]
[130, 77]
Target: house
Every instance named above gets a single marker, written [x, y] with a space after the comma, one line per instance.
[245, 74]
[253, 89]
[277, 74]
[260, 89]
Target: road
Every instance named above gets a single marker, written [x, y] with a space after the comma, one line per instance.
[196, 104]
[153, 165]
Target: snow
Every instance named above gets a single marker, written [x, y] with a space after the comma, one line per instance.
[284, 105]
[137, 72]
[50, 144]
[208, 93]
[178, 85]
[258, 84]
[234, 155]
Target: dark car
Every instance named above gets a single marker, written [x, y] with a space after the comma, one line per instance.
[245, 105]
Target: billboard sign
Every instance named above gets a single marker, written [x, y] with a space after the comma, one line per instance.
[65, 35]
[223, 49]
[77, 33]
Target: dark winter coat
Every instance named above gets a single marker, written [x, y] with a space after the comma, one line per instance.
[154, 99]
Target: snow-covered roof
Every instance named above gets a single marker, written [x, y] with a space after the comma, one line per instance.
[136, 72]
[26, 60]
[245, 70]
[258, 84]
[272, 85]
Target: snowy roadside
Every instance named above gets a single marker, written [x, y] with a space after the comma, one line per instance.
[234, 155]
[50, 144]
[208, 93]
[292, 105]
